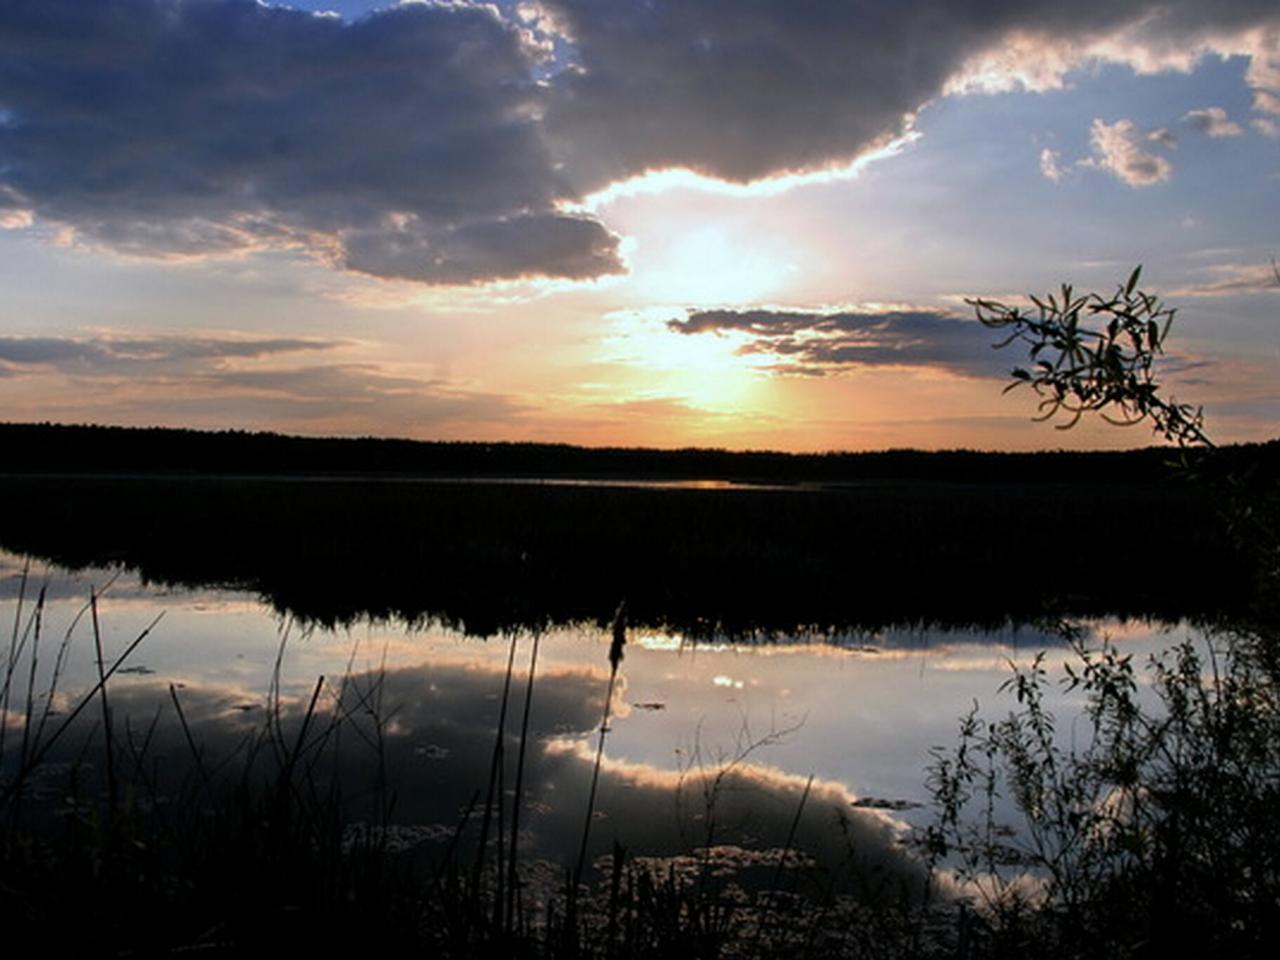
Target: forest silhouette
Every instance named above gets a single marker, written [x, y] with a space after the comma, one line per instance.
[333, 530]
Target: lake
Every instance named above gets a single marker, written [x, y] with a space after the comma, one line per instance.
[712, 740]
[325, 726]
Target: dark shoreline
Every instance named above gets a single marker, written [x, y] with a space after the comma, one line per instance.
[490, 537]
[487, 557]
[101, 450]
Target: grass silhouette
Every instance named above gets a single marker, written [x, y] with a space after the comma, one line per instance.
[274, 839]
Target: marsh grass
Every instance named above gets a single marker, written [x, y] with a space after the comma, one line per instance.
[105, 844]
[273, 843]
[177, 844]
[1154, 832]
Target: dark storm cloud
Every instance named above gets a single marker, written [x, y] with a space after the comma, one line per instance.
[746, 89]
[438, 142]
[816, 344]
[167, 127]
[580, 248]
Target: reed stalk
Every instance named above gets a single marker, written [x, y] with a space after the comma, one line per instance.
[495, 772]
[107, 724]
[33, 665]
[512, 877]
[40, 749]
[11, 661]
[619, 641]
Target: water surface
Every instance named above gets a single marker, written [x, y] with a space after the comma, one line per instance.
[856, 712]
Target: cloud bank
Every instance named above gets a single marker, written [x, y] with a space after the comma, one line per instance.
[819, 344]
[405, 144]
[108, 352]
[751, 89]
[446, 142]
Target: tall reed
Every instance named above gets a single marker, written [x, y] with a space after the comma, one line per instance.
[616, 645]
[519, 794]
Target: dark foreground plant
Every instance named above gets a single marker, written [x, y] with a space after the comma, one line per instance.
[1096, 354]
[274, 827]
[133, 837]
[1152, 827]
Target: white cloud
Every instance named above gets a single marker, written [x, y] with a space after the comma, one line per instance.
[1050, 167]
[1213, 122]
[16, 219]
[1117, 147]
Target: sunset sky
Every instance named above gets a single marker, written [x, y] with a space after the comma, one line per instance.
[741, 224]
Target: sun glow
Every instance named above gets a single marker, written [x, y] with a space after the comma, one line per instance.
[709, 266]
[706, 371]
[681, 178]
[641, 338]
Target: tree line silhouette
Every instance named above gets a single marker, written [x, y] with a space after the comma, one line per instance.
[60, 448]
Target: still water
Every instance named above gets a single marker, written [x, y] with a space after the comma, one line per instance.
[707, 742]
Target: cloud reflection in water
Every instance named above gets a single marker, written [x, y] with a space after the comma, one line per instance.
[438, 726]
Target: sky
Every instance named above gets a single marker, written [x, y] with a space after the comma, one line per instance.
[625, 222]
